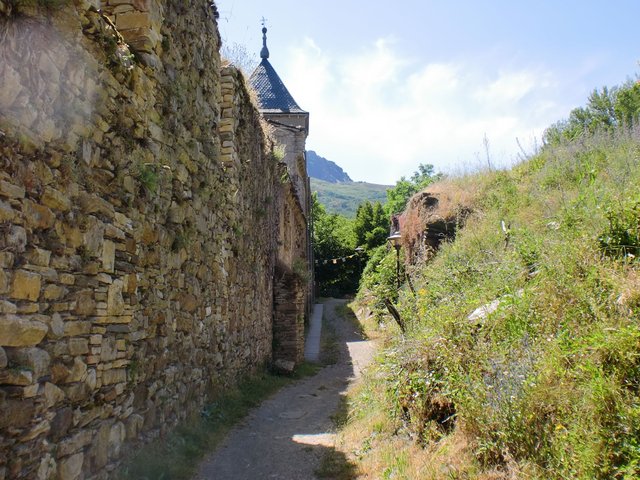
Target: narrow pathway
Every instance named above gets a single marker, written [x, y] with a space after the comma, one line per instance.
[287, 436]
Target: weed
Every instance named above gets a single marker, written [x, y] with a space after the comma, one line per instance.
[546, 382]
[148, 177]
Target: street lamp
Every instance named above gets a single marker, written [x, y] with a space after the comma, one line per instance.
[394, 240]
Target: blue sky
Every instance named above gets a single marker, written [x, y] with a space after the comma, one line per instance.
[390, 85]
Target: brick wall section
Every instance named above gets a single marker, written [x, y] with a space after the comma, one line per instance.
[140, 216]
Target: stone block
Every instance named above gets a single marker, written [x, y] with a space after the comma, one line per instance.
[41, 428]
[67, 279]
[115, 301]
[20, 332]
[91, 203]
[16, 376]
[39, 257]
[70, 468]
[7, 214]
[56, 326]
[54, 292]
[108, 256]
[76, 328]
[4, 360]
[61, 423]
[5, 281]
[78, 346]
[16, 413]
[131, 20]
[16, 238]
[55, 199]
[52, 394]
[10, 190]
[85, 303]
[114, 375]
[117, 435]
[77, 372]
[35, 359]
[75, 443]
[37, 216]
[26, 285]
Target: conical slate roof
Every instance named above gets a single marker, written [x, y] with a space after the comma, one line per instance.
[272, 94]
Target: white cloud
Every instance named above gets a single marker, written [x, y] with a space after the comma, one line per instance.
[378, 114]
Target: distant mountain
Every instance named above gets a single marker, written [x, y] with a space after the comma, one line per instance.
[326, 170]
[344, 198]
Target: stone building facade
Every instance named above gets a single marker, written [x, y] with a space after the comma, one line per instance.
[145, 230]
[293, 289]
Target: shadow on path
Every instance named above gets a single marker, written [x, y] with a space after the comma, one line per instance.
[291, 435]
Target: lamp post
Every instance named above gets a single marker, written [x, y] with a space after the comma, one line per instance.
[394, 240]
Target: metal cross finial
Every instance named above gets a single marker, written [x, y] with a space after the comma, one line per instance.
[264, 53]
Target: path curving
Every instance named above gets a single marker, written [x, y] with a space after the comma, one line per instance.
[286, 437]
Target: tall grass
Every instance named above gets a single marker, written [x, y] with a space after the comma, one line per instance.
[546, 383]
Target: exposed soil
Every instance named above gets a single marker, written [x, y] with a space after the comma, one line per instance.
[289, 434]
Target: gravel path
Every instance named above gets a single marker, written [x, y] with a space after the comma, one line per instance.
[286, 437]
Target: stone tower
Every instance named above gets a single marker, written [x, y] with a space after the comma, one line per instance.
[293, 286]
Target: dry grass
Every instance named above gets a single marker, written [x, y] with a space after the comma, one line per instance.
[434, 214]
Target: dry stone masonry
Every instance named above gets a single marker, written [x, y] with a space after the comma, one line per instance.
[145, 229]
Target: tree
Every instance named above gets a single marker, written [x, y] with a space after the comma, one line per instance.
[371, 225]
[333, 238]
[606, 109]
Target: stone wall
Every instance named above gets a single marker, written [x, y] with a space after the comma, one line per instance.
[139, 227]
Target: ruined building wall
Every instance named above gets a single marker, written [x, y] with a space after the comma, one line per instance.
[139, 221]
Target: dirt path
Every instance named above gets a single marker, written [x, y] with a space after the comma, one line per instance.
[287, 436]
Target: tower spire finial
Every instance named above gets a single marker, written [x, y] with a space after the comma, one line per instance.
[264, 53]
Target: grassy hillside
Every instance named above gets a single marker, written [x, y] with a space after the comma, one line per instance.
[344, 198]
[544, 381]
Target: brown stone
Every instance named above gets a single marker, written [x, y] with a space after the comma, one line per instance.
[16, 413]
[78, 346]
[4, 360]
[16, 238]
[56, 200]
[5, 281]
[26, 285]
[61, 423]
[39, 429]
[54, 292]
[20, 332]
[78, 371]
[70, 468]
[35, 359]
[7, 214]
[76, 328]
[56, 326]
[109, 350]
[38, 256]
[85, 303]
[100, 447]
[91, 203]
[130, 20]
[38, 216]
[114, 375]
[7, 307]
[59, 373]
[75, 443]
[52, 394]
[108, 256]
[16, 377]
[115, 301]
[188, 302]
[11, 191]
